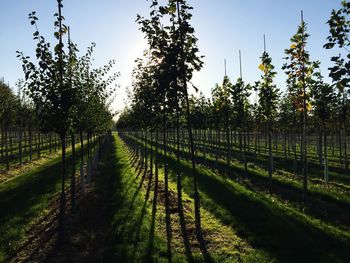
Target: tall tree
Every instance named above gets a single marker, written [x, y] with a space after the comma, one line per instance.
[299, 70]
[339, 29]
[268, 99]
[324, 98]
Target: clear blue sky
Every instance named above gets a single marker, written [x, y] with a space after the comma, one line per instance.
[223, 27]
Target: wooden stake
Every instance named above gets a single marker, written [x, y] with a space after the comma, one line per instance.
[225, 67]
[240, 64]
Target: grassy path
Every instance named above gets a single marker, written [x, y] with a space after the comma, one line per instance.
[121, 218]
[28, 196]
[267, 223]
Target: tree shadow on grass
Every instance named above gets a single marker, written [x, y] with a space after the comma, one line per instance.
[129, 236]
[265, 225]
[317, 200]
[320, 205]
[284, 234]
[337, 174]
[184, 234]
[150, 247]
[19, 199]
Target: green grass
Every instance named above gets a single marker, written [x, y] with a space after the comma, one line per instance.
[132, 238]
[279, 229]
[23, 199]
[26, 197]
[224, 244]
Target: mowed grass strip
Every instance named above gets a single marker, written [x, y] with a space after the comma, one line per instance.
[281, 231]
[27, 197]
[132, 237]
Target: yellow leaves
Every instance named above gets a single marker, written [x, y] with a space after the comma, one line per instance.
[262, 67]
[301, 108]
[308, 106]
[293, 46]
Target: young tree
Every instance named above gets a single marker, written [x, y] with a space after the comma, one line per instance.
[299, 70]
[339, 29]
[8, 103]
[223, 112]
[268, 99]
[239, 95]
[324, 98]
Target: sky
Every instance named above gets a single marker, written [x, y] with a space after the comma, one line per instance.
[223, 27]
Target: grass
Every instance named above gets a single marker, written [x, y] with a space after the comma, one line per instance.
[22, 199]
[279, 229]
[26, 197]
[240, 222]
[131, 237]
[333, 198]
[223, 243]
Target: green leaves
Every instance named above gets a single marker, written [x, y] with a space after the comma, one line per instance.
[299, 69]
[267, 90]
[67, 94]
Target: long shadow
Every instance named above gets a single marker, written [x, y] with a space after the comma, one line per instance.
[150, 246]
[199, 236]
[167, 212]
[267, 226]
[20, 199]
[316, 205]
[135, 195]
[185, 238]
[221, 166]
[294, 191]
[337, 174]
[144, 206]
[320, 205]
[88, 222]
[116, 201]
[126, 238]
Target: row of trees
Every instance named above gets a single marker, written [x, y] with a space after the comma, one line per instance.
[68, 96]
[21, 136]
[161, 82]
[309, 106]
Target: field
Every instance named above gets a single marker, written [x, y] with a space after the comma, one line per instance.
[122, 214]
[170, 160]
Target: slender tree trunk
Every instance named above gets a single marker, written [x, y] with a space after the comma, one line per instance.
[82, 175]
[325, 162]
[20, 144]
[7, 150]
[270, 151]
[88, 158]
[285, 143]
[346, 164]
[73, 183]
[30, 145]
[10, 139]
[38, 144]
[320, 146]
[166, 187]
[228, 145]
[63, 190]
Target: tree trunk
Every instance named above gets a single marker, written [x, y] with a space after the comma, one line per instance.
[320, 146]
[63, 190]
[20, 144]
[30, 145]
[270, 151]
[82, 175]
[326, 171]
[73, 186]
[7, 150]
